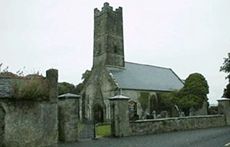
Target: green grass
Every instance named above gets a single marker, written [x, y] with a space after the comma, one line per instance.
[103, 130]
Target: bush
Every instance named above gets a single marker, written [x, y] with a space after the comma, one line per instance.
[8, 74]
[32, 88]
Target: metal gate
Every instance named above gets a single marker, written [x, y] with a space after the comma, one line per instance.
[86, 130]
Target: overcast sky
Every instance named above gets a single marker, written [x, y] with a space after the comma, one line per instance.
[185, 35]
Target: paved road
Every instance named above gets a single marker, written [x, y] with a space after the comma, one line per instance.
[214, 137]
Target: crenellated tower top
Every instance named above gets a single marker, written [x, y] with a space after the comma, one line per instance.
[108, 37]
[107, 8]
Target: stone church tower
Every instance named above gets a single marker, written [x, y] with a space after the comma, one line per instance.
[111, 75]
[108, 37]
[108, 51]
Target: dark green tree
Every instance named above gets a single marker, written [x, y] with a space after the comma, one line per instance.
[167, 101]
[226, 68]
[85, 77]
[65, 87]
[197, 85]
[78, 88]
[194, 92]
[227, 91]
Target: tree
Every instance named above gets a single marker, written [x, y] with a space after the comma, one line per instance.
[194, 92]
[196, 85]
[227, 91]
[78, 88]
[65, 87]
[85, 77]
[166, 100]
[226, 68]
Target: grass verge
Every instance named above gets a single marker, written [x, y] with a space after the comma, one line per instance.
[103, 130]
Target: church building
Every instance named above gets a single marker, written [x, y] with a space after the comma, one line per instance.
[111, 75]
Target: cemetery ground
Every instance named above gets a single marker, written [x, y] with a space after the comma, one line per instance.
[212, 137]
[103, 130]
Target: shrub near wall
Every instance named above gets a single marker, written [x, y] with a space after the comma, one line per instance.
[30, 89]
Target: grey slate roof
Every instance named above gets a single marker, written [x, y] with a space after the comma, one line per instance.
[145, 77]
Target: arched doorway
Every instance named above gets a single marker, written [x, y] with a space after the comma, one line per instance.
[2, 125]
[98, 113]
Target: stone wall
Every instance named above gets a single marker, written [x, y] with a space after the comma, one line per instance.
[142, 127]
[6, 87]
[29, 123]
[2, 125]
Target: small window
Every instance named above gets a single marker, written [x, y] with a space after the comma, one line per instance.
[116, 49]
[98, 50]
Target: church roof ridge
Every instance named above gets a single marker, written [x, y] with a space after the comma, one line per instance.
[142, 64]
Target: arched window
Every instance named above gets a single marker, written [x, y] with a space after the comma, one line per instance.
[99, 49]
[116, 50]
[132, 105]
[153, 104]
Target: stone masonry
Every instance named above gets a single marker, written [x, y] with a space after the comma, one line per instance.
[224, 108]
[68, 117]
[119, 116]
[29, 122]
[143, 127]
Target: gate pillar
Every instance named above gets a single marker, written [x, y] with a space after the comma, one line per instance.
[68, 117]
[224, 108]
[119, 116]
